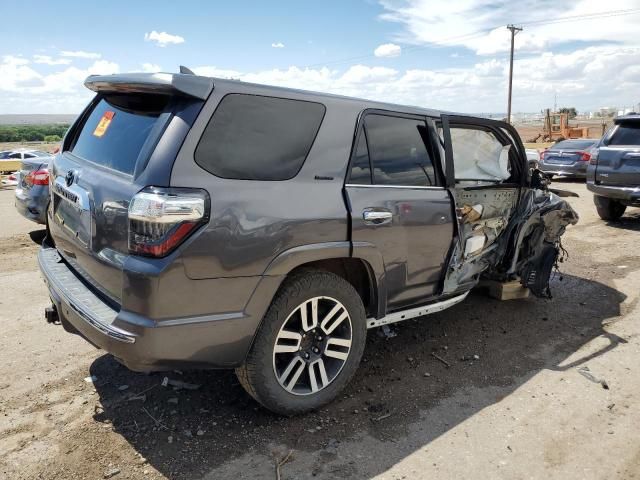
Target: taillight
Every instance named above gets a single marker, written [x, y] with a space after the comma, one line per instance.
[160, 219]
[594, 156]
[542, 152]
[585, 156]
[38, 177]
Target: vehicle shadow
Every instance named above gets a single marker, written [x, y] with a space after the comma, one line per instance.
[37, 236]
[188, 433]
[629, 221]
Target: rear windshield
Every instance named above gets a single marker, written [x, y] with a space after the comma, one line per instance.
[574, 144]
[626, 134]
[117, 128]
[252, 137]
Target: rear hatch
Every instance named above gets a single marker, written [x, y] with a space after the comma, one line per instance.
[618, 161]
[125, 140]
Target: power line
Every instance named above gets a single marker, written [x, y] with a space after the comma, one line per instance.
[480, 33]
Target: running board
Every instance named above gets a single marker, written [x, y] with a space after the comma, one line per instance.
[415, 312]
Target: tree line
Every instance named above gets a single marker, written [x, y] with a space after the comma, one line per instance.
[33, 133]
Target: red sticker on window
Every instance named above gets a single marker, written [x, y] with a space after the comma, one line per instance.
[104, 123]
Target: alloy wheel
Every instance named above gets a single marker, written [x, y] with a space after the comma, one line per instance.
[312, 346]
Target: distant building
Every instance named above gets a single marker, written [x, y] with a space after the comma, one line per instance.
[607, 111]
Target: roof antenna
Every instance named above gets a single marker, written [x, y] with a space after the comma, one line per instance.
[186, 71]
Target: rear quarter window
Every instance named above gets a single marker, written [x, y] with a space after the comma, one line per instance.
[626, 134]
[252, 137]
[117, 128]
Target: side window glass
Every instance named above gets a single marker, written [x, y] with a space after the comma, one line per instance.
[16, 155]
[398, 152]
[479, 155]
[252, 137]
[360, 167]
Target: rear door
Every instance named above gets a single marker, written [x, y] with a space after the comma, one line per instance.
[399, 204]
[619, 155]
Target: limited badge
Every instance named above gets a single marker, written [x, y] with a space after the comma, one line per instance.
[104, 123]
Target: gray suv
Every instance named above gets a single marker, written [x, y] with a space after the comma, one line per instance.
[614, 171]
[208, 223]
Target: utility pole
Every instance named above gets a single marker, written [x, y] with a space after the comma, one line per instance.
[514, 30]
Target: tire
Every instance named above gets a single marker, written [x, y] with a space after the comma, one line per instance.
[264, 374]
[608, 209]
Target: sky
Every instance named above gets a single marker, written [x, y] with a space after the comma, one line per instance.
[442, 54]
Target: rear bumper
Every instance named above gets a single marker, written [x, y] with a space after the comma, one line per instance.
[32, 204]
[577, 169]
[628, 195]
[142, 344]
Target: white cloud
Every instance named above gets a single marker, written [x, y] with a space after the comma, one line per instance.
[80, 54]
[277, 45]
[151, 67]
[162, 39]
[14, 60]
[25, 90]
[481, 26]
[49, 60]
[582, 79]
[388, 50]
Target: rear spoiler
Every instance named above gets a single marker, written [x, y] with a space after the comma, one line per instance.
[159, 83]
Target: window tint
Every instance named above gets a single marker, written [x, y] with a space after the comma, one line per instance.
[251, 137]
[398, 152]
[16, 155]
[360, 168]
[117, 128]
[626, 134]
[29, 155]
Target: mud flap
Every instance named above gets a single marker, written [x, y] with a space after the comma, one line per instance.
[537, 272]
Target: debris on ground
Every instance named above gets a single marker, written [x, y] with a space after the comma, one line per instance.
[381, 417]
[142, 398]
[111, 473]
[586, 373]
[386, 332]
[179, 384]
[438, 357]
[280, 463]
[91, 379]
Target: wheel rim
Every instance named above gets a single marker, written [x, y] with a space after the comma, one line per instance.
[312, 346]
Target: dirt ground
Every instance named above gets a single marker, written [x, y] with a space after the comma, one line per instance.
[552, 393]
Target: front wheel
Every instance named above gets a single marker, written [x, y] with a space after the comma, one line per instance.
[608, 209]
[309, 344]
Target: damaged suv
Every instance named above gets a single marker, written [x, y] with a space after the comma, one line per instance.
[208, 223]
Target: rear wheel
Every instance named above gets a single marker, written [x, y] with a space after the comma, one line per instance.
[608, 209]
[309, 344]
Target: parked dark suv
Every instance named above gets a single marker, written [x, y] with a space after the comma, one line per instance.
[211, 223]
[614, 171]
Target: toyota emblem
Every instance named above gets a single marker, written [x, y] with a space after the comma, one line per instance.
[68, 179]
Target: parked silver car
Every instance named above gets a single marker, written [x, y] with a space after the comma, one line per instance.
[568, 158]
[32, 189]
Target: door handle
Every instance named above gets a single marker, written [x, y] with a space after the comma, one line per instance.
[377, 217]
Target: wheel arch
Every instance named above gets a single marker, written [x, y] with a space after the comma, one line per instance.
[361, 270]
